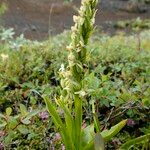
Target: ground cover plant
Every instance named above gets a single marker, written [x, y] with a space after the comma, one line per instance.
[116, 80]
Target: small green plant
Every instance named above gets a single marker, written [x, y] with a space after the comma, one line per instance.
[18, 130]
[6, 34]
[72, 96]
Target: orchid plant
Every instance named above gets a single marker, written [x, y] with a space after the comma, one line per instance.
[68, 121]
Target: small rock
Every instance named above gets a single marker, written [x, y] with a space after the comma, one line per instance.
[33, 28]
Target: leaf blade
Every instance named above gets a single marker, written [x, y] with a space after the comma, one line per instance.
[108, 134]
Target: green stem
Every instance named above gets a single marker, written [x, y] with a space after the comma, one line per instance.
[78, 122]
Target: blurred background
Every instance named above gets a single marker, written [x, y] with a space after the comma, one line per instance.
[39, 19]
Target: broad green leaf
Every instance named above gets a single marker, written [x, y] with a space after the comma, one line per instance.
[87, 135]
[33, 100]
[108, 134]
[105, 78]
[31, 136]
[8, 111]
[99, 142]
[146, 101]
[23, 110]
[23, 129]
[96, 143]
[12, 123]
[26, 120]
[92, 81]
[33, 113]
[9, 137]
[135, 141]
[89, 146]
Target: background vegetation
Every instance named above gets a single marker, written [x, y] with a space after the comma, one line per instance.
[118, 82]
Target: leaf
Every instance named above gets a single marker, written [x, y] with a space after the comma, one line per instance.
[87, 134]
[23, 129]
[108, 134]
[146, 101]
[31, 136]
[92, 81]
[54, 114]
[135, 141]
[9, 137]
[8, 111]
[94, 141]
[58, 122]
[26, 120]
[96, 121]
[3, 125]
[89, 146]
[12, 123]
[68, 119]
[33, 100]
[104, 78]
[23, 110]
[78, 121]
[2, 116]
[99, 142]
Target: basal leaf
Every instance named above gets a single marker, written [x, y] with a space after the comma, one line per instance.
[99, 142]
[23, 110]
[131, 143]
[108, 134]
[88, 135]
[8, 111]
[23, 129]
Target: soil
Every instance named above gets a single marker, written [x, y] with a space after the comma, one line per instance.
[38, 19]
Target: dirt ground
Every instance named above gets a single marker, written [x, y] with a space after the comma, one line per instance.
[38, 19]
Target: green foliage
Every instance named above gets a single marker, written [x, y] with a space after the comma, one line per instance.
[108, 134]
[68, 129]
[21, 129]
[137, 143]
[133, 24]
[26, 74]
